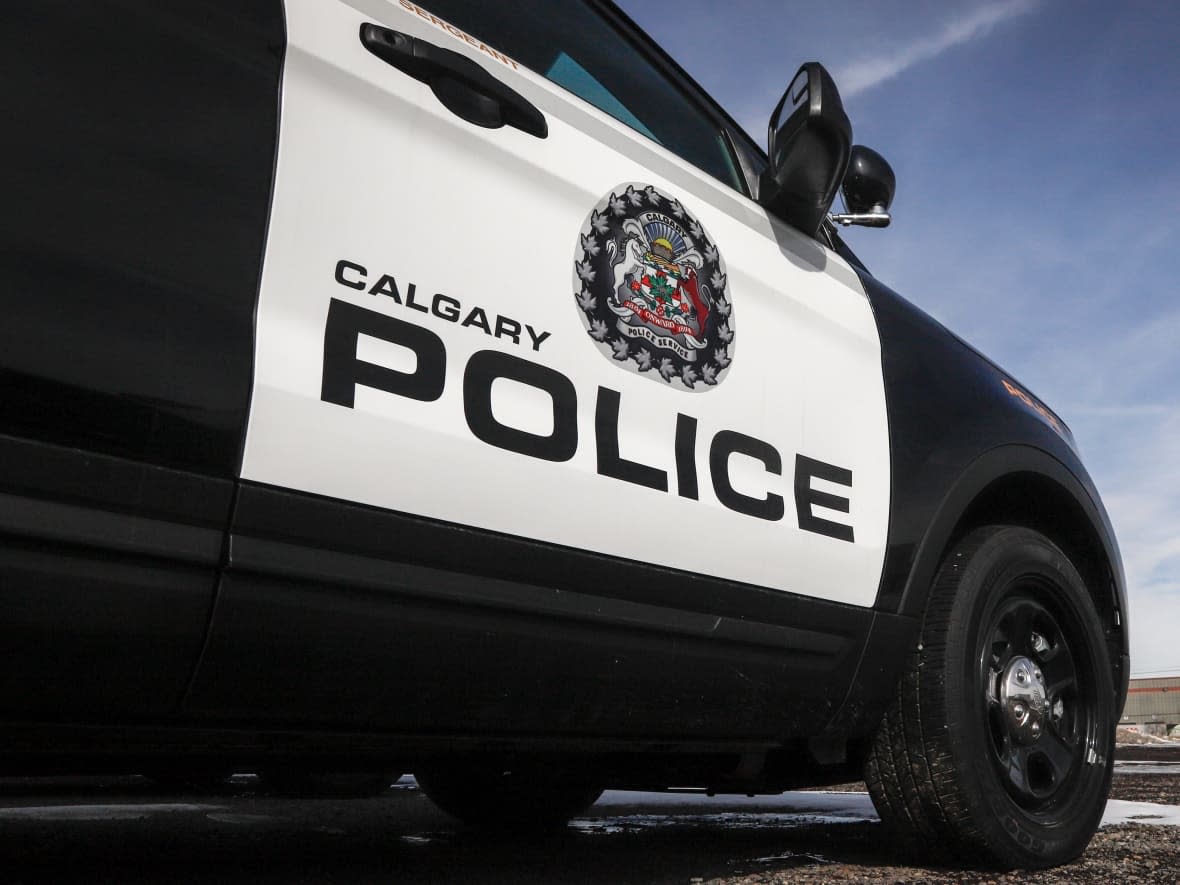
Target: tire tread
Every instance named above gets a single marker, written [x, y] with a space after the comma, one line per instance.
[911, 769]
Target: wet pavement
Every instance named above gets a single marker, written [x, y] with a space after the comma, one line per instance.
[129, 830]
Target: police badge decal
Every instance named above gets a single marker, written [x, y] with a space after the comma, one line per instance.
[652, 289]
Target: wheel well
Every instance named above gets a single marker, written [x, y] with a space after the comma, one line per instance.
[1037, 502]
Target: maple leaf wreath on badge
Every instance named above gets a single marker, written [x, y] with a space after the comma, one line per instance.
[651, 287]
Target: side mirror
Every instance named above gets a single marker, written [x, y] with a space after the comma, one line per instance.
[809, 143]
[868, 189]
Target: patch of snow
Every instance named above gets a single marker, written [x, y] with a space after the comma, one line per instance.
[1119, 811]
[849, 804]
[790, 809]
[630, 823]
[726, 820]
[789, 855]
[695, 809]
[238, 818]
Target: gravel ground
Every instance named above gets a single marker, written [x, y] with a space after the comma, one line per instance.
[128, 831]
[1126, 853]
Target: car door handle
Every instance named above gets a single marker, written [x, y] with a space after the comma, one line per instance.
[463, 87]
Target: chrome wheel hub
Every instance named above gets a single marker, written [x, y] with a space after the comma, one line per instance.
[1024, 700]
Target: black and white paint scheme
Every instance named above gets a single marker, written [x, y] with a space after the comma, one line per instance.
[652, 288]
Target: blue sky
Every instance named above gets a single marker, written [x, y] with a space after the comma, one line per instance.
[1037, 151]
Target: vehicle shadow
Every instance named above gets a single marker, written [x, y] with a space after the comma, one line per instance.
[136, 832]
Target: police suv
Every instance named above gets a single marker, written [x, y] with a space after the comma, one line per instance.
[453, 388]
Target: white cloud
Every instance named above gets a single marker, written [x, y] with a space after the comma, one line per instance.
[1141, 486]
[1153, 617]
[977, 23]
[1082, 314]
[1145, 410]
[1116, 381]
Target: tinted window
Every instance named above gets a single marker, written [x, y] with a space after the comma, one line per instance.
[570, 44]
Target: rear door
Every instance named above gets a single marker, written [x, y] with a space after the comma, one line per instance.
[574, 329]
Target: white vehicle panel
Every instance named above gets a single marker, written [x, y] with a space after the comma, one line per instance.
[374, 171]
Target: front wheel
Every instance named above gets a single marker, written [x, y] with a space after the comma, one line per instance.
[306, 783]
[998, 745]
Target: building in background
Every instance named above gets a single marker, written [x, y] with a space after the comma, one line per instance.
[1153, 706]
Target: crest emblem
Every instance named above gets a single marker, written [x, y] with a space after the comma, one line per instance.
[651, 287]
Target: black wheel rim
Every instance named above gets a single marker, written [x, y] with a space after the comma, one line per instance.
[1040, 702]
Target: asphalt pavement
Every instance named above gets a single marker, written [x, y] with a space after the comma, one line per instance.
[130, 830]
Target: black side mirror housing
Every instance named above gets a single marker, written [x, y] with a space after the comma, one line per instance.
[869, 183]
[810, 139]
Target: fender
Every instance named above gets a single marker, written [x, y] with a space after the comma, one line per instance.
[969, 445]
[1000, 463]
[1066, 488]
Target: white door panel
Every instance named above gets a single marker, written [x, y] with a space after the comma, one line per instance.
[374, 171]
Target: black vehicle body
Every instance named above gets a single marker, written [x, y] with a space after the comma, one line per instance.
[157, 608]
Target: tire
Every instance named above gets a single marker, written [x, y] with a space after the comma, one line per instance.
[191, 780]
[487, 795]
[997, 748]
[300, 783]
